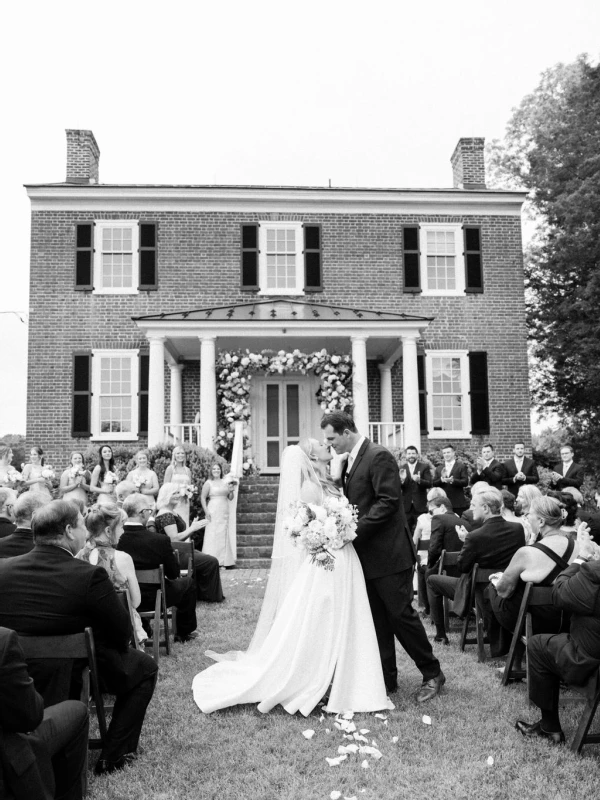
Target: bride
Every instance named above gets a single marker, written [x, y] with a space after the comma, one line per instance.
[315, 634]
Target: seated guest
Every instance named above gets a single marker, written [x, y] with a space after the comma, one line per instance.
[491, 545]
[592, 518]
[569, 509]
[525, 497]
[508, 506]
[149, 550]
[466, 518]
[569, 657]
[123, 490]
[21, 541]
[423, 534]
[65, 595]
[206, 567]
[519, 470]
[488, 469]
[539, 563]
[443, 531]
[43, 754]
[567, 473]
[8, 498]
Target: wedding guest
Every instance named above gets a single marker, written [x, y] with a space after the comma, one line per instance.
[569, 509]
[123, 490]
[179, 473]
[8, 498]
[592, 518]
[452, 476]
[508, 506]
[567, 473]
[144, 479]
[35, 476]
[216, 495]
[519, 470]
[9, 475]
[21, 541]
[104, 476]
[488, 468]
[423, 534]
[525, 497]
[75, 480]
[416, 479]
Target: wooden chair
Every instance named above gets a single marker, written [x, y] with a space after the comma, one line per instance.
[582, 737]
[156, 577]
[125, 599]
[447, 559]
[186, 547]
[422, 547]
[479, 579]
[532, 596]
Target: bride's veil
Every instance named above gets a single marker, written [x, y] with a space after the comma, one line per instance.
[286, 558]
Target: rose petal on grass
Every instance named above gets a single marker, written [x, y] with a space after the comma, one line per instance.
[352, 748]
[348, 715]
[321, 718]
[365, 764]
[338, 726]
[349, 736]
[335, 795]
[380, 716]
[364, 731]
[327, 730]
[334, 762]
[490, 761]
[373, 742]
[426, 720]
[385, 722]
[351, 727]
[308, 734]
[395, 739]
[360, 738]
[350, 798]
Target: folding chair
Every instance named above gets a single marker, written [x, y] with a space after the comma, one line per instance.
[156, 577]
[422, 547]
[186, 547]
[125, 599]
[447, 559]
[480, 577]
[532, 596]
[582, 737]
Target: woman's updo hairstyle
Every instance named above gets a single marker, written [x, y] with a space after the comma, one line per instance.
[99, 517]
[548, 510]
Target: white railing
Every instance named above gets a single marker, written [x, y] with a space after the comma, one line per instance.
[389, 434]
[183, 432]
[237, 459]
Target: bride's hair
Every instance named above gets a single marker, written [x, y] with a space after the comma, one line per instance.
[306, 445]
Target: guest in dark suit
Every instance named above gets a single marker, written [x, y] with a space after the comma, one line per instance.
[49, 592]
[570, 657]
[491, 546]
[21, 541]
[386, 551]
[8, 498]
[567, 473]
[416, 480]
[149, 550]
[592, 518]
[453, 477]
[42, 753]
[443, 531]
[519, 470]
[488, 469]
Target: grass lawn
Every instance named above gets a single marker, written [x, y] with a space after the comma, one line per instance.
[240, 753]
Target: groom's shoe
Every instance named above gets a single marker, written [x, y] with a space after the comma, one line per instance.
[430, 688]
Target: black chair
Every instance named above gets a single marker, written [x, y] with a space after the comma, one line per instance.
[156, 577]
[448, 559]
[582, 736]
[480, 578]
[186, 548]
[532, 596]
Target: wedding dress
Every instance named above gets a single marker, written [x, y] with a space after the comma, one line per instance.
[315, 634]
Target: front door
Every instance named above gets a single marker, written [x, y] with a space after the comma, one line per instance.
[283, 412]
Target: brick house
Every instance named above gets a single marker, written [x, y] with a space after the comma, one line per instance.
[135, 289]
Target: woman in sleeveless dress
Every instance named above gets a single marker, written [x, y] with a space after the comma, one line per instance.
[9, 475]
[216, 495]
[33, 474]
[104, 477]
[75, 481]
[179, 473]
[315, 634]
[143, 478]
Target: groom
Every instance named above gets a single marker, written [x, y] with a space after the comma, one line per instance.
[371, 481]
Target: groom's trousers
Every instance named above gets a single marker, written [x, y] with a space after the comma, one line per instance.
[391, 599]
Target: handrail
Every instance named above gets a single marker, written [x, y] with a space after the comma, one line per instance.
[183, 432]
[237, 459]
[389, 434]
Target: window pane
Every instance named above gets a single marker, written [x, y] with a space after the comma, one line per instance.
[272, 409]
[447, 393]
[272, 454]
[293, 410]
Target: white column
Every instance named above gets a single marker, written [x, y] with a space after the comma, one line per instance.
[410, 391]
[156, 390]
[385, 388]
[360, 392]
[208, 393]
[176, 409]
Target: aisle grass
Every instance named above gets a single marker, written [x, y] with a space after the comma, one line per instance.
[239, 753]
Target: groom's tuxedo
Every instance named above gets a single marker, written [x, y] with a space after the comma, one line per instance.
[386, 551]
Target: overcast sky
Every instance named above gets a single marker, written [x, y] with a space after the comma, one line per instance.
[362, 94]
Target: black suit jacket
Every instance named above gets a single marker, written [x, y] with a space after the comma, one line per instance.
[383, 542]
[49, 592]
[149, 550]
[443, 537]
[492, 545]
[574, 477]
[6, 527]
[528, 469]
[454, 491]
[18, 543]
[494, 474]
[593, 520]
[414, 493]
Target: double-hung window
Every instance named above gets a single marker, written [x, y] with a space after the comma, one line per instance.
[115, 394]
[281, 261]
[442, 259]
[448, 412]
[116, 257]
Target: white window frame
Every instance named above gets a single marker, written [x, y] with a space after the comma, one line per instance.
[99, 227]
[459, 262]
[97, 434]
[463, 355]
[262, 257]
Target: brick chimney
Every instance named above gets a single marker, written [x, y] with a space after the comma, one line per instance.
[83, 157]
[468, 165]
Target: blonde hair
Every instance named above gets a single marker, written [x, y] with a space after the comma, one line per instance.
[101, 517]
[178, 447]
[527, 494]
[548, 510]
[165, 495]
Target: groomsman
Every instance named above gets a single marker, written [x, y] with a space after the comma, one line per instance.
[488, 468]
[416, 480]
[519, 470]
[452, 476]
[567, 473]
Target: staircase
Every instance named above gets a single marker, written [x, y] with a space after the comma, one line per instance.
[257, 504]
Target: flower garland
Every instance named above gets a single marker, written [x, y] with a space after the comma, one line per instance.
[234, 374]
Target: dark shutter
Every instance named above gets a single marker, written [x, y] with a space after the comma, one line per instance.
[473, 265]
[249, 265]
[148, 259]
[480, 409]
[410, 258]
[84, 249]
[82, 395]
[313, 277]
[422, 393]
[143, 395]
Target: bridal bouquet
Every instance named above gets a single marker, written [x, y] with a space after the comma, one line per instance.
[110, 477]
[77, 472]
[321, 529]
[188, 491]
[48, 473]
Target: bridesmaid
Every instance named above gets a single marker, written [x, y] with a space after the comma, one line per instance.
[215, 498]
[32, 473]
[179, 473]
[9, 476]
[144, 479]
[75, 481]
[104, 477]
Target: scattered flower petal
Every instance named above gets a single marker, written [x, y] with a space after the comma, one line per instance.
[348, 715]
[373, 742]
[380, 716]
[385, 722]
[321, 718]
[351, 727]
[338, 726]
[350, 798]
[335, 795]
[360, 738]
[364, 731]
[327, 730]
[395, 739]
[349, 748]
[426, 720]
[490, 761]
[308, 734]
[334, 762]
[349, 736]
[365, 764]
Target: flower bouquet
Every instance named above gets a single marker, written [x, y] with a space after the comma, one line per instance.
[12, 476]
[321, 529]
[48, 473]
[139, 482]
[188, 491]
[76, 472]
[110, 477]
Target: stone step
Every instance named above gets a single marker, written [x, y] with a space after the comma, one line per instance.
[256, 517]
[258, 506]
[253, 552]
[251, 539]
[253, 563]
